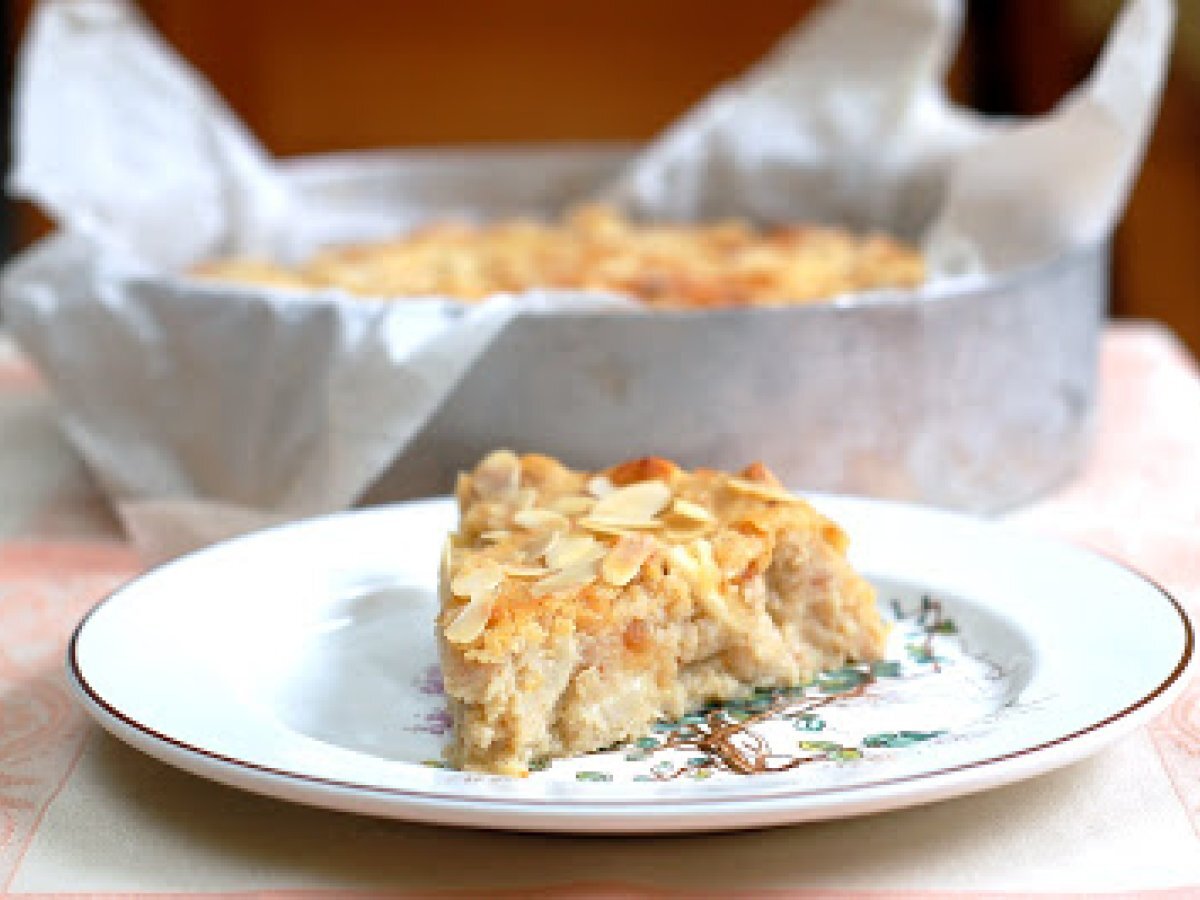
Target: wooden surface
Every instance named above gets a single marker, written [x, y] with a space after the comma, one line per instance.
[315, 75]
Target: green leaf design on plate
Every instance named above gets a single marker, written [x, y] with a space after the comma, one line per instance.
[592, 776]
[919, 653]
[894, 739]
[886, 668]
[808, 722]
[822, 746]
[841, 681]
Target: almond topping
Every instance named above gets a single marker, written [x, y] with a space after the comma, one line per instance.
[600, 526]
[477, 581]
[618, 526]
[686, 534]
[574, 549]
[639, 501]
[541, 520]
[524, 571]
[471, 620]
[761, 491]
[693, 511]
[541, 543]
[495, 535]
[625, 560]
[572, 505]
[577, 576]
[498, 475]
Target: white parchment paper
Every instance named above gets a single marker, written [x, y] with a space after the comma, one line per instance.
[207, 410]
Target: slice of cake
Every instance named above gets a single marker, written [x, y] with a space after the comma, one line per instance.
[578, 608]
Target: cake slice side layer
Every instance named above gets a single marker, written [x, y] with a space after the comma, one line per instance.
[578, 608]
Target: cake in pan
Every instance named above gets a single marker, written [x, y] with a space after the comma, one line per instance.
[578, 608]
[596, 249]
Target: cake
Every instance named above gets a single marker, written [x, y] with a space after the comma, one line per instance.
[578, 608]
[595, 248]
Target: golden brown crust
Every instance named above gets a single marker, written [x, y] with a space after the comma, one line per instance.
[596, 249]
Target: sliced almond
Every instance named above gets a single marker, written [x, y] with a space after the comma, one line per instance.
[573, 549]
[573, 505]
[541, 520]
[478, 580]
[761, 491]
[498, 475]
[600, 526]
[617, 525]
[471, 620]
[524, 571]
[639, 501]
[495, 535]
[599, 486]
[625, 560]
[541, 543]
[525, 498]
[684, 535]
[692, 511]
[573, 578]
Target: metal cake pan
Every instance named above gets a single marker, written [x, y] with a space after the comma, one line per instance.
[977, 399]
[975, 396]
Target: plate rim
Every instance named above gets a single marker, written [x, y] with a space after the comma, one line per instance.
[408, 802]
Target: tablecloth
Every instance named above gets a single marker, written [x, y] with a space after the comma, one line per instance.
[83, 815]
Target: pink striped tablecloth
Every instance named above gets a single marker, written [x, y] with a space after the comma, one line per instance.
[82, 815]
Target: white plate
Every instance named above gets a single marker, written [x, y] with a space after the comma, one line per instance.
[299, 662]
